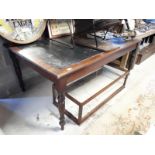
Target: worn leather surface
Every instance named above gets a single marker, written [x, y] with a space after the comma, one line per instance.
[56, 54]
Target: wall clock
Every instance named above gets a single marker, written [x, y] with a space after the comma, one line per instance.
[22, 31]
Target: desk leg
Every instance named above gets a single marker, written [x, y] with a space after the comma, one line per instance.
[133, 58]
[131, 63]
[17, 70]
[61, 107]
[54, 94]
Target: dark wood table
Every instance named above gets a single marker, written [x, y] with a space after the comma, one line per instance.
[63, 65]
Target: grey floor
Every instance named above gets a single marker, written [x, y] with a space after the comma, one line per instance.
[32, 112]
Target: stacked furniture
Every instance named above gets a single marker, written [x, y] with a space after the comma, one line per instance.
[147, 45]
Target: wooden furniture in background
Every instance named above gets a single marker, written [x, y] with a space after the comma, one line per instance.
[149, 50]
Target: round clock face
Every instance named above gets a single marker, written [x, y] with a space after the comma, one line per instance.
[22, 31]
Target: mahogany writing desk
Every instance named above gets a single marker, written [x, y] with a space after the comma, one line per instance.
[63, 65]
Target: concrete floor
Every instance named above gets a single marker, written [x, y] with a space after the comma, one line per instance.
[32, 112]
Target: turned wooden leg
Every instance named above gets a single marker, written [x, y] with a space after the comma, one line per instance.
[17, 71]
[61, 107]
[54, 94]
